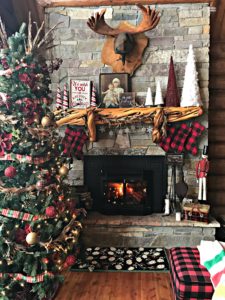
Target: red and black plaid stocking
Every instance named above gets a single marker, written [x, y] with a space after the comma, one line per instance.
[73, 142]
[166, 140]
[180, 138]
[191, 145]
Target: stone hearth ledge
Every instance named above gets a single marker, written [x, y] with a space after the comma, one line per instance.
[96, 218]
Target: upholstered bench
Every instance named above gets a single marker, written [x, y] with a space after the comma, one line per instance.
[190, 280]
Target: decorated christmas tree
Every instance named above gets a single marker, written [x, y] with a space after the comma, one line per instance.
[190, 93]
[39, 223]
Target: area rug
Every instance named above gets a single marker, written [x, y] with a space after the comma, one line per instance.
[122, 259]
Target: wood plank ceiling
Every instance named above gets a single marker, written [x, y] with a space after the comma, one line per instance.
[217, 86]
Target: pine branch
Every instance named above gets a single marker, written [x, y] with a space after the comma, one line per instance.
[29, 40]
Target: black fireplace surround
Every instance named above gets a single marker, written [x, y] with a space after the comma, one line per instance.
[131, 185]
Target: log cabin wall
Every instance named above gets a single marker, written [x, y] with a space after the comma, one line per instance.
[217, 110]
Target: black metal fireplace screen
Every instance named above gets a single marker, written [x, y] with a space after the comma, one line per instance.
[126, 184]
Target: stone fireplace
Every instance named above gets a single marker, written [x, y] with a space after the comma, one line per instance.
[80, 48]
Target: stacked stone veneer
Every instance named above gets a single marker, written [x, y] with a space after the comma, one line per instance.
[80, 49]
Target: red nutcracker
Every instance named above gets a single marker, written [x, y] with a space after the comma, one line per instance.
[202, 168]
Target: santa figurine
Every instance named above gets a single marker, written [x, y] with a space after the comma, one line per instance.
[202, 168]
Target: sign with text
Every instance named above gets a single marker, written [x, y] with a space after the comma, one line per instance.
[80, 93]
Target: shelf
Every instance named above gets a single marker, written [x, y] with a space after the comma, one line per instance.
[91, 117]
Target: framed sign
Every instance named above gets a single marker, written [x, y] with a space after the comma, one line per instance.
[80, 93]
[127, 100]
[111, 86]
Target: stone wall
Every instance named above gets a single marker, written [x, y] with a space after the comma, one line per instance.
[180, 25]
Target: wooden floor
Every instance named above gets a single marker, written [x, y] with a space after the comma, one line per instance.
[115, 286]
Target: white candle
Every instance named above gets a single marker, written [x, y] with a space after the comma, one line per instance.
[167, 206]
[178, 216]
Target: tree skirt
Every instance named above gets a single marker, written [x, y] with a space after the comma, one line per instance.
[122, 259]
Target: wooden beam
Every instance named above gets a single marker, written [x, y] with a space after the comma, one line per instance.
[85, 3]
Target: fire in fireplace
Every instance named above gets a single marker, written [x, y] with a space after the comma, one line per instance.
[127, 192]
[131, 185]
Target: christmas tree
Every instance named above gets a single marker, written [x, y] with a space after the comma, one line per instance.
[190, 93]
[158, 95]
[39, 224]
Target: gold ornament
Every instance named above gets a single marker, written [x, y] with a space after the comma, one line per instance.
[63, 171]
[75, 232]
[46, 121]
[32, 238]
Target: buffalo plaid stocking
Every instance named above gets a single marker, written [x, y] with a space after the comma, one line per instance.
[166, 140]
[73, 142]
[191, 145]
[180, 138]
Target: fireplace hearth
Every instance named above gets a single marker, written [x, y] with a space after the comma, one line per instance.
[129, 185]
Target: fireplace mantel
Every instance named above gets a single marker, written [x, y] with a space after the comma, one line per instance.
[86, 3]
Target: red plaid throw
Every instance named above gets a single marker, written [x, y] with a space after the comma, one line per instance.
[180, 138]
[73, 142]
[191, 281]
[191, 145]
[166, 140]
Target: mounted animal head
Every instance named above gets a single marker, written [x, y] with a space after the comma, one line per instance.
[125, 44]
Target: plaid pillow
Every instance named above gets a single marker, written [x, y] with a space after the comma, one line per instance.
[191, 281]
[73, 142]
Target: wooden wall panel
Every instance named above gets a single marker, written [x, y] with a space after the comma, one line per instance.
[217, 110]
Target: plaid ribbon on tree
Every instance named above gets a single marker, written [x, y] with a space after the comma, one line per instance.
[180, 138]
[29, 279]
[15, 214]
[74, 141]
[25, 158]
[191, 144]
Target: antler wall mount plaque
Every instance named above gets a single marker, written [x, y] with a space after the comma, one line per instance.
[125, 45]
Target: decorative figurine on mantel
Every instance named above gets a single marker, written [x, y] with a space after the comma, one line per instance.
[149, 100]
[202, 168]
[158, 95]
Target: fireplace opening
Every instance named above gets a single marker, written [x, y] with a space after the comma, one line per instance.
[131, 185]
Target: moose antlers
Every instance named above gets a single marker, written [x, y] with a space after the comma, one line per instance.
[149, 21]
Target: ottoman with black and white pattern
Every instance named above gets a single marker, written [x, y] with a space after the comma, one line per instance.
[190, 280]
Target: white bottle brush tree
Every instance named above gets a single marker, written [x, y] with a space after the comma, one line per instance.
[190, 93]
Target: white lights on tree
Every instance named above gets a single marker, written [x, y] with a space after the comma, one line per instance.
[158, 96]
[149, 100]
[191, 94]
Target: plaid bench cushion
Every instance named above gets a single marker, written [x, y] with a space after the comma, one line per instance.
[191, 281]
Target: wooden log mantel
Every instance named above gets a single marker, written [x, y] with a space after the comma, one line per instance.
[86, 3]
[91, 117]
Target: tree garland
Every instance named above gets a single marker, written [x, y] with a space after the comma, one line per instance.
[26, 158]
[15, 214]
[29, 279]
[30, 188]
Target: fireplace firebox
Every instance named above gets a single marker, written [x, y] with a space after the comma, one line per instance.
[131, 185]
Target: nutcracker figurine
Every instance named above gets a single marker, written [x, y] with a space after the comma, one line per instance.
[202, 168]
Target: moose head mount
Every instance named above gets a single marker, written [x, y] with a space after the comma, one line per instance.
[125, 45]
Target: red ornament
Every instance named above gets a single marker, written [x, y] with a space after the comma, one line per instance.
[20, 236]
[27, 228]
[10, 172]
[70, 260]
[45, 260]
[50, 211]
[61, 197]
[40, 184]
